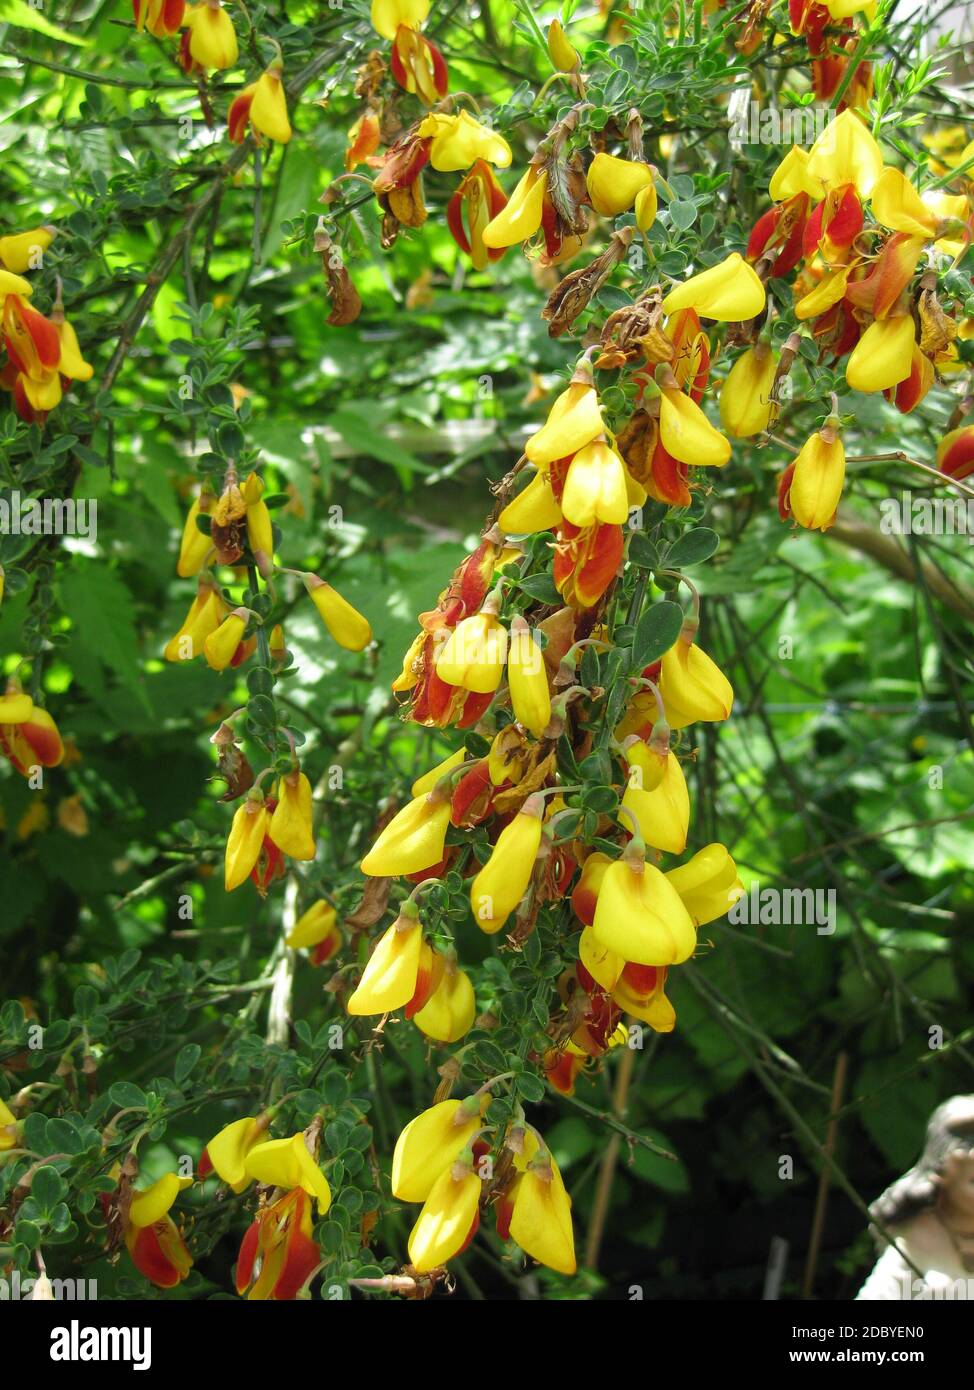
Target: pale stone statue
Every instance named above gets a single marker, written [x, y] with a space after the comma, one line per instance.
[930, 1213]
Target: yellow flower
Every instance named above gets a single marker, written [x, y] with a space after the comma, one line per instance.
[532, 510]
[474, 654]
[449, 1218]
[205, 615]
[541, 1219]
[389, 979]
[412, 841]
[707, 884]
[640, 916]
[194, 545]
[428, 781]
[154, 1203]
[268, 106]
[595, 487]
[816, 483]
[845, 153]
[245, 840]
[693, 687]
[449, 1012]
[897, 205]
[8, 1127]
[528, 679]
[457, 142]
[663, 814]
[221, 644]
[560, 51]
[286, 1163]
[212, 38]
[344, 623]
[25, 250]
[387, 15]
[313, 926]
[291, 824]
[729, 292]
[686, 432]
[502, 882]
[745, 399]
[260, 532]
[226, 1153]
[613, 183]
[573, 421]
[430, 1143]
[521, 218]
[883, 356]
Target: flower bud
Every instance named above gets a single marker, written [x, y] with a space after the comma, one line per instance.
[817, 479]
[291, 824]
[663, 814]
[693, 687]
[528, 679]
[560, 51]
[344, 623]
[245, 841]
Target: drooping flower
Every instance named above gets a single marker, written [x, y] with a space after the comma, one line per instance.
[540, 1212]
[692, 686]
[449, 1012]
[344, 623]
[595, 487]
[246, 840]
[745, 398]
[151, 1236]
[640, 915]
[574, 420]
[474, 654]
[528, 679]
[316, 929]
[418, 65]
[206, 613]
[212, 40]
[478, 199]
[221, 645]
[685, 432]
[195, 545]
[278, 1254]
[560, 51]
[500, 885]
[449, 1219]
[413, 840]
[883, 356]
[262, 105]
[291, 826]
[662, 813]
[614, 184]
[817, 479]
[520, 218]
[430, 1143]
[390, 976]
[29, 737]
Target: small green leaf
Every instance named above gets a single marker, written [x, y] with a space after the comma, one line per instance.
[656, 631]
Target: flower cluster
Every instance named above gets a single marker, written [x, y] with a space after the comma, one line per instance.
[442, 1160]
[868, 250]
[42, 352]
[234, 530]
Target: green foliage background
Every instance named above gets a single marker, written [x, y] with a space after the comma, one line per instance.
[821, 779]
